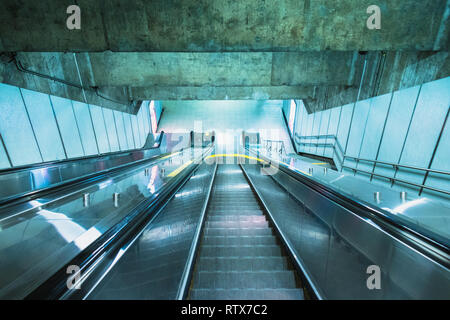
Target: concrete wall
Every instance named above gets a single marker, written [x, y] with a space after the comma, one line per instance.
[37, 127]
[228, 118]
[404, 127]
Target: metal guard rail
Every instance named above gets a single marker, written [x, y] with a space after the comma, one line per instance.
[395, 166]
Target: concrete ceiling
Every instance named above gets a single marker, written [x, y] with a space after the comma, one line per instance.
[216, 49]
[223, 25]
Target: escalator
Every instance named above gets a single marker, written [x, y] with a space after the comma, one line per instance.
[239, 255]
[229, 232]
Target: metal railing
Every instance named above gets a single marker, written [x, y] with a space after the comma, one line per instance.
[341, 157]
[336, 146]
[274, 145]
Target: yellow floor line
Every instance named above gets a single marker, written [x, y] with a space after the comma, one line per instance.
[179, 169]
[182, 167]
[234, 155]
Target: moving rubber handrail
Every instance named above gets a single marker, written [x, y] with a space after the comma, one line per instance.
[80, 182]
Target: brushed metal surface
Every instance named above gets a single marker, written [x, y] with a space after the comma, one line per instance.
[337, 246]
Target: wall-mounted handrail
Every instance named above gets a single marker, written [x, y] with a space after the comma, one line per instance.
[399, 165]
[336, 146]
[399, 180]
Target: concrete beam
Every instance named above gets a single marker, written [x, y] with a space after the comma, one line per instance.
[218, 25]
[222, 93]
[224, 69]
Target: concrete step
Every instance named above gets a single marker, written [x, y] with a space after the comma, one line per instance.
[242, 264]
[247, 294]
[245, 280]
[240, 240]
[240, 251]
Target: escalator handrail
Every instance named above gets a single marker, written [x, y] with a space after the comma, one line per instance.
[100, 156]
[80, 182]
[55, 287]
[188, 269]
[437, 250]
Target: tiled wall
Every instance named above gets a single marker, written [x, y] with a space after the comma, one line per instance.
[37, 127]
[402, 127]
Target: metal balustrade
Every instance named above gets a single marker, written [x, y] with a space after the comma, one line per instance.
[341, 157]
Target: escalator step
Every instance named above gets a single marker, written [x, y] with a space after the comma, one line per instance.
[240, 251]
[262, 223]
[238, 232]
[243, 264]
[245, 280]
[237, 217]
[240, 211]
[239, 256]
[240, 241]
[247, 294]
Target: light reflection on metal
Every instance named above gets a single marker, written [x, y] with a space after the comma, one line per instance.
[68, 229]
[116, 197]
[188, 193]
[104, 184]
[151, 184]
[292, 110]
[86, 200]
[41, 177]
[87, 238]
[403, 207]
[403, 195]
[377, 196]
[153, 116]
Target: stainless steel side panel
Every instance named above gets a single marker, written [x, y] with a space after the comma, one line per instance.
[36, 242]
[152, 267]
[336, 246]
[18, 181]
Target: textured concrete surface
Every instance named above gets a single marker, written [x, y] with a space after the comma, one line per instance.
[213, 49]
[223, 25]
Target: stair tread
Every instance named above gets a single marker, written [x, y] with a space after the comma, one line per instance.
[247, 294]
[239, 256]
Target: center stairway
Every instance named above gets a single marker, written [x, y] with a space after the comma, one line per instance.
[240, 257]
